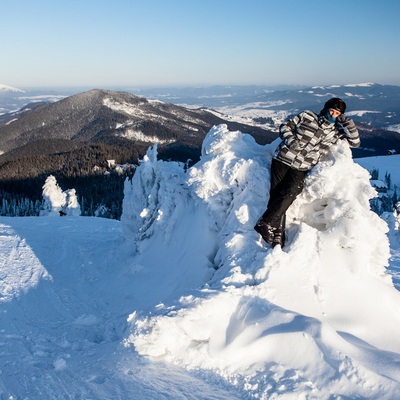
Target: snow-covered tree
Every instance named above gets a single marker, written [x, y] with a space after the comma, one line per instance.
[56, 202]
[53, 198]
[72, 206]
[102, 212]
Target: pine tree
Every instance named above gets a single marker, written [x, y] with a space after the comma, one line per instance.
[374, 174]
[388, 180]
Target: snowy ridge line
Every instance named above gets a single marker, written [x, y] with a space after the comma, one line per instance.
[138, 111]
[319, 319]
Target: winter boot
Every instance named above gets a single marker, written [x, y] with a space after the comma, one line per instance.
[279, 237]
[266, 231]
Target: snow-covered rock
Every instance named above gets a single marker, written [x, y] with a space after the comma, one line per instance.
[319, 318]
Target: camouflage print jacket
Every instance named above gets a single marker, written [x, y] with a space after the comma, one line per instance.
[308, 136]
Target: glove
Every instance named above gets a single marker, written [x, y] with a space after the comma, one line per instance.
[342, 119]
[348, 130]
[346, 123]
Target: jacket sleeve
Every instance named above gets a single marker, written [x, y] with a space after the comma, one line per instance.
[287, 130]
[348, 131]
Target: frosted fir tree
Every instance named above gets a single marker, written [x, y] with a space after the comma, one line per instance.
[102, 212]
[72, 206]
[53, 198]
[58, 203]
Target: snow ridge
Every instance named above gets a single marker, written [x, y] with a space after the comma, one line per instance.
[319, 319]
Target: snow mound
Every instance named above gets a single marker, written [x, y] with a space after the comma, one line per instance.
[319, 318]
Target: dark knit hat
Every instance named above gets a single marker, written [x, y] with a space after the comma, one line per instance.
[336, 104]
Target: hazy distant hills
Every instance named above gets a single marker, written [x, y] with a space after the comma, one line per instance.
[375, 108]
[368, 103]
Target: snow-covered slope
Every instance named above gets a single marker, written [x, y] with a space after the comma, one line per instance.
[67, 288]
[182, 300]
[385, 165]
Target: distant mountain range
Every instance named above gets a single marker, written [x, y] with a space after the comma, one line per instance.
[368, 103]
[375, 108]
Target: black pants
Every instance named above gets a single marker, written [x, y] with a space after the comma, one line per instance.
[286, 184]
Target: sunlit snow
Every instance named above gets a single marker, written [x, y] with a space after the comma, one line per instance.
[182, 299]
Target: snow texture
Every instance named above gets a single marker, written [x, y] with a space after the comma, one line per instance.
[183, 300]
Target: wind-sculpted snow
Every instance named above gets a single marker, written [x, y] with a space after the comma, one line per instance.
[319, 319]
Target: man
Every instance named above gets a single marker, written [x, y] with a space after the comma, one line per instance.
[305, 138]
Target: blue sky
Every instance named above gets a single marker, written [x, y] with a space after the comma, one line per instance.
[110, 43]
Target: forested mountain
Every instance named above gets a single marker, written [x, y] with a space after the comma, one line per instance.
[73, 138]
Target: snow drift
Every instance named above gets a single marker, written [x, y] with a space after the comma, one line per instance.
[318, 319]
